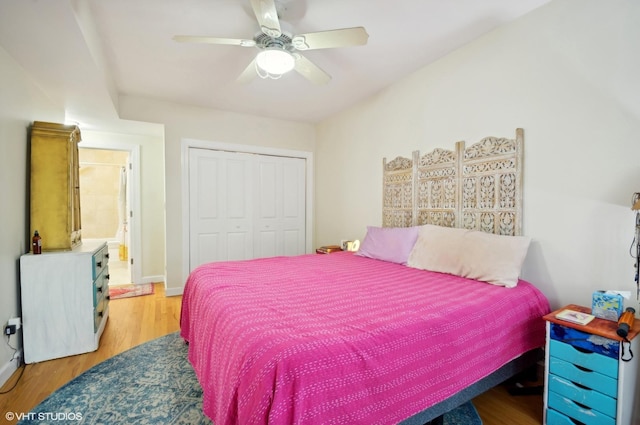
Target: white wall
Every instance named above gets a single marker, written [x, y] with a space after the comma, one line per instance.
[21, 103]
[188, 122]
[568, 74]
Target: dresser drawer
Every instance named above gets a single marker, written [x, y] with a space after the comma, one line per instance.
[586, 341]
[100, 261]
[580, 413]
[579, 375]
[98, 312]
[586, 359]
[101, 285]
[585, 396]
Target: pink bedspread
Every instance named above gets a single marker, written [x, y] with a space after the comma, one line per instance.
[343, 339]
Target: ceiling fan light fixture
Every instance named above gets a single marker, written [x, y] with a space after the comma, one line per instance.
[275, 61]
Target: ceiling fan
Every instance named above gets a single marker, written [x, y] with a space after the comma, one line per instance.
[279, 51]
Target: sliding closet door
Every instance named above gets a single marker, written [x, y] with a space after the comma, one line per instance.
[279, 206]
[244, 206]
[220, 209]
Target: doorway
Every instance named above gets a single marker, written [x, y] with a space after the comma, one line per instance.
[105, 199]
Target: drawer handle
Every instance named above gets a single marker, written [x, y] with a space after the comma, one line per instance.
[582, 406]
[106, 277]
[584, 369]
[106, 255]
[100, 289]
[108, 297]
[573, 421]
[582, 350]
[99, 264]
[581, 386]
[101, 314]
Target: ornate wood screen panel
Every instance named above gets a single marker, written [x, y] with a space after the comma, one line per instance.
[492, 185]
[437, 188]
[397, 209]
[479, 187]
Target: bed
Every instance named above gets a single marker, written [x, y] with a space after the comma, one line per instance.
[420, 320]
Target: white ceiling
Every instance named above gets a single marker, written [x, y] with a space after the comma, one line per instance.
[87, 53]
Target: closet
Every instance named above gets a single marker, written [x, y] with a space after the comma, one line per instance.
[244, 206]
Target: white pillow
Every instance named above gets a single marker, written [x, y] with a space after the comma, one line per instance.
[473, 254]
[438, 249]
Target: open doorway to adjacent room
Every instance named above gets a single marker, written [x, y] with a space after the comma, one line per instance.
[105, 199]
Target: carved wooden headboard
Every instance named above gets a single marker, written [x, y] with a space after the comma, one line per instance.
[479, 187]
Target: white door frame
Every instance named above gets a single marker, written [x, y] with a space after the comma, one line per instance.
[134, 192]
[232, 147]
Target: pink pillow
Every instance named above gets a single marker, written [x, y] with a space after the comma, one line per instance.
[393, 244]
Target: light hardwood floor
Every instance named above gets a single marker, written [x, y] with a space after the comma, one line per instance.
[133, 321]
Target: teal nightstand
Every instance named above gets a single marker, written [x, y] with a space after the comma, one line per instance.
[591, 376]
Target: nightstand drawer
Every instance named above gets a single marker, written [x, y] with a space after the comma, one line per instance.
[585, 396]
[587, 341]
[577, 412]
[589, 360]
[579, 375]
[557, 418]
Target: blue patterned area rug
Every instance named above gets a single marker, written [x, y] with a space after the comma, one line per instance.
[152, 383]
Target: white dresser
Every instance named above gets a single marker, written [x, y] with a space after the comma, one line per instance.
[65, 301]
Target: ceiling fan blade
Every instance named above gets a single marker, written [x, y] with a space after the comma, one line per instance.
[214, 40]
[267, 15]
[311, 71]
[248, 74]
[356, 36]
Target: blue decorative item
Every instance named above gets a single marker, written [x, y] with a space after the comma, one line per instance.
[607, 305]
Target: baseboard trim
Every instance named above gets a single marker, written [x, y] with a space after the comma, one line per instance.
[173, 292]
[152, 279]
[169, 292]
[7, 370]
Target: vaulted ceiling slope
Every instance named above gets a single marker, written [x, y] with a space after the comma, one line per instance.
[86, 53]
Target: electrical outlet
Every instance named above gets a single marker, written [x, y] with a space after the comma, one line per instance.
[15, 321]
